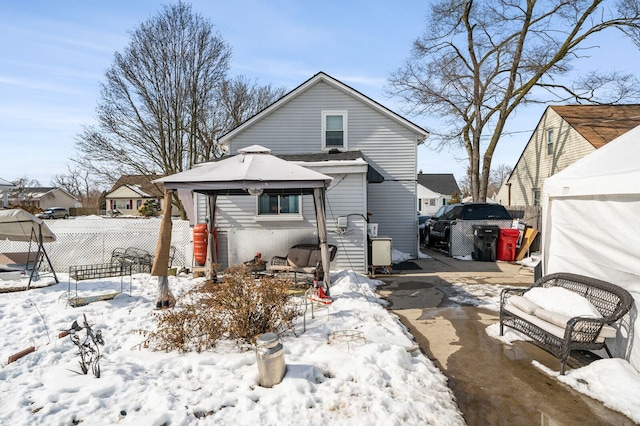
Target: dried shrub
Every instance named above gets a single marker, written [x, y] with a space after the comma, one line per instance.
[240, 308]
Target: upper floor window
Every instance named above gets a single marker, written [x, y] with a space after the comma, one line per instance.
[550, 142]
[334, 129]
[278, 204]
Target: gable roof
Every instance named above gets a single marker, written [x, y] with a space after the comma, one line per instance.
[322, 77]
[442, 183]
[36, 192]
[140, 184]
[4, 184]
[600, 124]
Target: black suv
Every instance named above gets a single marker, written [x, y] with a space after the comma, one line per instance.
[439, 230]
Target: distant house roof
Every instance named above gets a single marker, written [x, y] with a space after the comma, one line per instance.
[140, 184]
[600, 124]
[34, 193]
[323, 77]
[442, 183]
[6, 184]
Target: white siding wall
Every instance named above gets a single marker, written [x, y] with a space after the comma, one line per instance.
[535, 166]
[241, 235]
[386, 144]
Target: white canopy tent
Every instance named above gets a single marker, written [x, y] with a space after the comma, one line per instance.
[253, 172]
[591, 213]
[19, 225]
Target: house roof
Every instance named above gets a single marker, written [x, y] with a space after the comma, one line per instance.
[373, 176]
[140, 184]
[322, 77]
[442, 183]
[6, 184]
[36, 192]
[600, 124]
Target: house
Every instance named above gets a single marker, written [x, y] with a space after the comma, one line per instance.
[42, 198]
[434, 190]
[5, 186]
[564, 135]
[328, 127]
[130, 192]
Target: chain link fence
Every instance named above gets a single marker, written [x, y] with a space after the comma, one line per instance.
[87, 240]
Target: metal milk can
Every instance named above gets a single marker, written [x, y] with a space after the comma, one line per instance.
[270, 358]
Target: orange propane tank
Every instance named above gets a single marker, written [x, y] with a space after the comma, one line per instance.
[200, 243]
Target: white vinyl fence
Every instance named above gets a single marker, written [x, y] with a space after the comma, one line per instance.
[87, 240]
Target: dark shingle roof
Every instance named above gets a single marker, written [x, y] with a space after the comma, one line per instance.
[600, 124]
[373, 176]
[442, 183]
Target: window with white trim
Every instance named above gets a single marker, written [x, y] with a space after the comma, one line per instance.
[536, 197]
[334, 129]
[550, 142]
[278, 205]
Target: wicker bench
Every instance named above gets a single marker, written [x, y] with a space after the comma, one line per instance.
[579, 333]
[302, 259]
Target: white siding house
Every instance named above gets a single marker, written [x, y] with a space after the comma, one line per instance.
[328, 127]
[564, 135]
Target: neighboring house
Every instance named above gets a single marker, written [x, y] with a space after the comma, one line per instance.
[331, 128]
[564, 135]
[435, 190]
[130, 192]
[5, 186]
[43, 198]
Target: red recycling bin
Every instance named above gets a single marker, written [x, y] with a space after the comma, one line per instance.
[507, 242]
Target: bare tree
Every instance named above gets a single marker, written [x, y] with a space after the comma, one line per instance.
[497, 177]
[24, 198]
[241, 99]
[161, 106]
[80, 183]
[479, 60]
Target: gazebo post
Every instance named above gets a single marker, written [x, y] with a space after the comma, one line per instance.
[212, 256]
[321, 219]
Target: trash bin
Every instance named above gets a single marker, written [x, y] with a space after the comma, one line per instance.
[484, 242]
[507, 244]
[270, 358]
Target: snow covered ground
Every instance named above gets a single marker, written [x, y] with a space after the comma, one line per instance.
[379, 377]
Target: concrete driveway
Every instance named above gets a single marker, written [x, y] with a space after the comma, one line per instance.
[494, 383]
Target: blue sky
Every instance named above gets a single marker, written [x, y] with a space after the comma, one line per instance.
[53, 55]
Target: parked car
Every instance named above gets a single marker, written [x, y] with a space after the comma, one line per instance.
[424, 238]
[54, 213]
[422, 219]
[439, 231]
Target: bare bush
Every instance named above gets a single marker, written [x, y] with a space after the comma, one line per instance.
[241, 308]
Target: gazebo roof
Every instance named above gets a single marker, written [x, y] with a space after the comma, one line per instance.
[253, 168]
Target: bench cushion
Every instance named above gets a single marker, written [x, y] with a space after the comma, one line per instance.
[298, 257]
[563, 301]
[315, 257]
[524, 304]
[554, 329]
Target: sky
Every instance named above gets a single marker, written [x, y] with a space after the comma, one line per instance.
[53, 56]
[353, 362]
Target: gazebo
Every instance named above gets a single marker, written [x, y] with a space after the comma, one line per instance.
[254, 171]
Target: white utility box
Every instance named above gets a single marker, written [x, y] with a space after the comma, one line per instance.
[381, 253]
